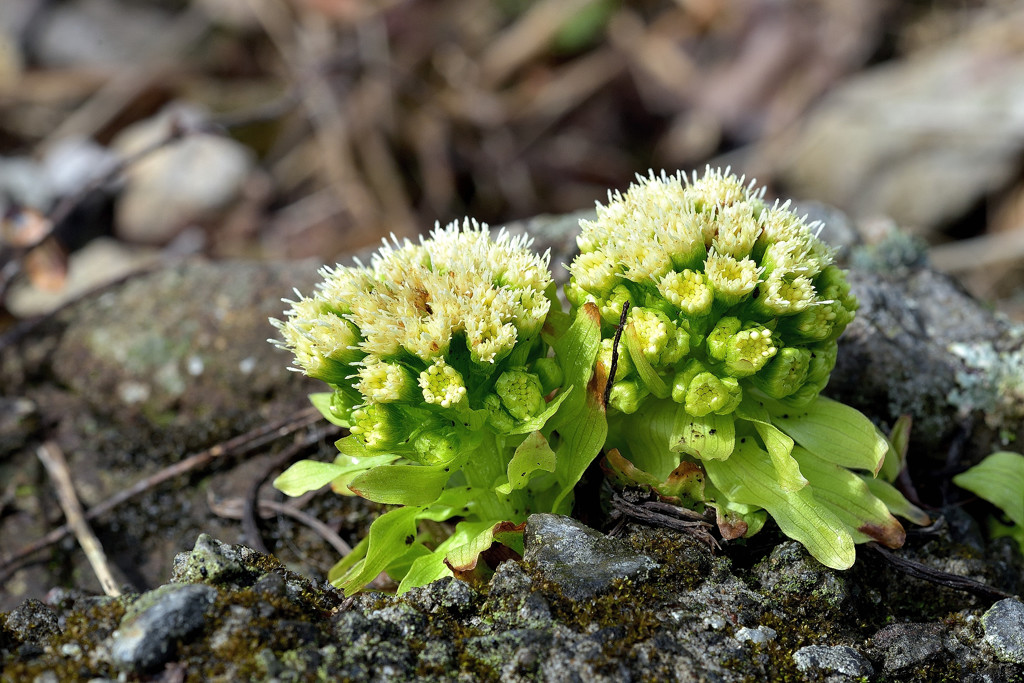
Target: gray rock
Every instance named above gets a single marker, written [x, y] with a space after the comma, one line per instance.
[210, 562]
[32, 621]
[148, 632]
[902, 646]
[790, 571]
[921, 346]
[447, 594]
[582, 561]
[839, 658]
[758, 636]
[1004, 630]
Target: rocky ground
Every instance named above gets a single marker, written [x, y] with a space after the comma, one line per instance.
[171, 366]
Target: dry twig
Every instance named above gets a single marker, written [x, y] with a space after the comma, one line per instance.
[57, 467]
[239, 445]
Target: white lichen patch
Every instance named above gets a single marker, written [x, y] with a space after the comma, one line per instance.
[991, 382]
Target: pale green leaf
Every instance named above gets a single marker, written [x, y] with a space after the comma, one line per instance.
[848, 498]
[322, 402]
[460, 551]
[538, 421]
[896, 456]
[999, 479]
[389, 538]
[778, 443]
[453, 502]
[580, 422]
[425, 569]
[469, 540]
[834, 432]
[533, 454]
[402, 484]
[345, 564]
[643, 367]
[748, 476]
[711, 437]
[645, 438]
[307, 475]
[895, 501]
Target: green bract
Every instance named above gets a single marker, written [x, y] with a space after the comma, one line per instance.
[438, 369]
[732, 311]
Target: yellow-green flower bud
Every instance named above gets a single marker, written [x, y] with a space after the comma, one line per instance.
[595, 272]
[436, 446]
[736, 231]
[520, 393]
[623, 366]
[550, 374]
[497, 416]
[442, 384]
[324, 343]
[611, 307]
[823, 361]
[382, 382]
[378, 425]
[707, 393]
[690, 291]
[719, 336]
[627, 396]
[703, 392]
[343, 402]
[576, 295]
[662, 342]
[530, 312]
[682, 379]
[733, 280]
[749, 350]
[815, 323]
[780, 295]
[716, 190]
[785, 373]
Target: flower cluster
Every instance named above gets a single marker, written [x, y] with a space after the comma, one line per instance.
[703, 330]
[721, 312]
[724, 293]
[437, 367]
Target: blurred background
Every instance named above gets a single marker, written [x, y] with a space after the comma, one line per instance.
[137, 131]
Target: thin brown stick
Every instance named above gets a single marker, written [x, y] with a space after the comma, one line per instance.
[57, 467]
[249, 525]
[232, 508]
[923, 571]
[238, 445]
[615, 354]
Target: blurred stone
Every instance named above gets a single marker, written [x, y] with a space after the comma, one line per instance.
[72, 163]
[95, 32]
[923, 139]
[187, 180]
[100, 262]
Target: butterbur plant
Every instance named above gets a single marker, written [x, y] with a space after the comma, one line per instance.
[703, 329]
[438, 368]
[718, 317]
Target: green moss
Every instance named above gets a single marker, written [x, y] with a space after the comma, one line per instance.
[82, 627]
